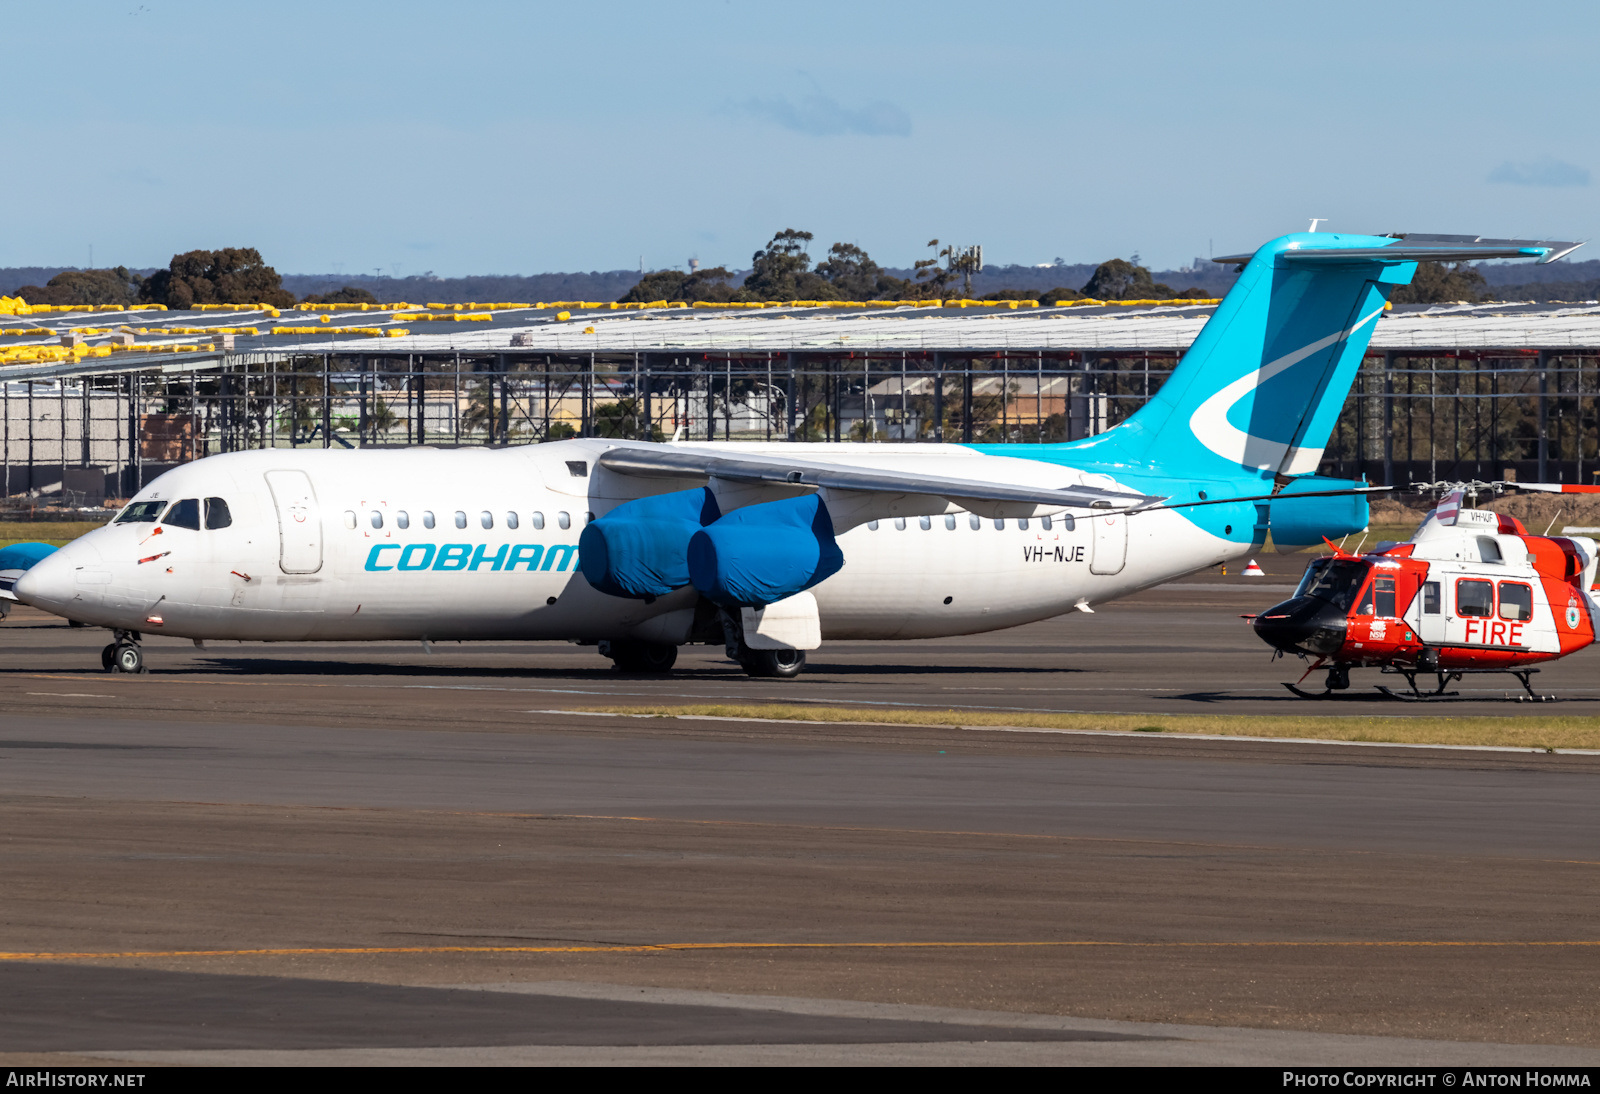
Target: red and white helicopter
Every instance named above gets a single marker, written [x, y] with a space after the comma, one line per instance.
[1471, 592]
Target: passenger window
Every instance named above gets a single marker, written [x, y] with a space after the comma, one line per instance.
[1022, 522]
[1516, 601]
[486, 519]
[950, 521]
[564, 520]
[217, 515]
[427, 518]
[1383, 593]
[899, 524]
[402, 519]
[377, 518]
[349, 518]
[1430, 598]
[141, 512]
[538, 520]
[588, 518]
[1488, 550]
[872, 526]
[926, 522]
[1068, 522]
[1475, 598]
[511, 520]
[461, 519]
[1000, 524]
[184, 514]
[1044, 522]
[974, 521]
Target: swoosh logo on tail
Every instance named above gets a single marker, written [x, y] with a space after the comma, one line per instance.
[1211, 427]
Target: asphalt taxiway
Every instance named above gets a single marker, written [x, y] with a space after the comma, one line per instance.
[371, 853]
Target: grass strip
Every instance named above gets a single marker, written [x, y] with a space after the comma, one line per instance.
[56, 532]
[1530, 731]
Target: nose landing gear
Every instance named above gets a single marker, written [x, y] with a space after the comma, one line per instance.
[124, 654]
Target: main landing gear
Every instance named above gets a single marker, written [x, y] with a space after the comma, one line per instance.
[648, 657]
[124, 654]
[771, 664]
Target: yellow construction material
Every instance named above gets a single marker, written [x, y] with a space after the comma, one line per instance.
[366, 332]
[563, 315]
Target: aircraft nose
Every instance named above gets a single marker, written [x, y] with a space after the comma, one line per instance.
[1303, 625]
[49, 583]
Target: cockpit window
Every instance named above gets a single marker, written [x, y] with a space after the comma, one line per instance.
[183, 514]
[217, 515]
[141, 512]
[1335, 580]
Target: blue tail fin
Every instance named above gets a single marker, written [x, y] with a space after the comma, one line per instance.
[1261, 388]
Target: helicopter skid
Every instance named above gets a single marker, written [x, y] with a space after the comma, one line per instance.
[1416, 695]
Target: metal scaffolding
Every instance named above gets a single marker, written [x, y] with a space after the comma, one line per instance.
[85, 434]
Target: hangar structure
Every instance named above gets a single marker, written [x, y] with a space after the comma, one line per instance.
[1445, 391]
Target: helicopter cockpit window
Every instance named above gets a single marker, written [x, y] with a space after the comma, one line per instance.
[1334, 580]
[183, 514]
[141, 512]
[1516, 601]
[1475, 599]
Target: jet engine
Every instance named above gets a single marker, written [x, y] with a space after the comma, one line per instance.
[760, 554]
[640, 548]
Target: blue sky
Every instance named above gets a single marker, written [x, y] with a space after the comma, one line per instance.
[523, 138]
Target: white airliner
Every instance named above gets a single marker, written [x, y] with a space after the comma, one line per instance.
[767, 549]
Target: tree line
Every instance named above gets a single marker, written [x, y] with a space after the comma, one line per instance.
[782, 270]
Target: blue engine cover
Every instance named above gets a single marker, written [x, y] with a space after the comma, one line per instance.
[1302, 522]
[23, 556]
[640, 548]
[760, 554]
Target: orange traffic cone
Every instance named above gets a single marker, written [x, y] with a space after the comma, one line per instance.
[1252, 570]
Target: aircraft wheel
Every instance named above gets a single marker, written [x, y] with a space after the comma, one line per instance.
[773, 664]
[127, 658]
[107, 656]
[656, 657]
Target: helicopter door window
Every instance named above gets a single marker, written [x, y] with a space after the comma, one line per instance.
[1474, 599]
[217, 515]
[183, 514]
[1430, 598]
[1516, 601]
[1383, 597]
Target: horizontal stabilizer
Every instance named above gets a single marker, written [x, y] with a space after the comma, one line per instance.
[1430, 248]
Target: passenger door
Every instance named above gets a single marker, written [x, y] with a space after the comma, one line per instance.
[1110, 543]
[299, 522]
[1427, 612]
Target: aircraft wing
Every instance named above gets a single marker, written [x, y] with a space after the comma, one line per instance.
[767, 469]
